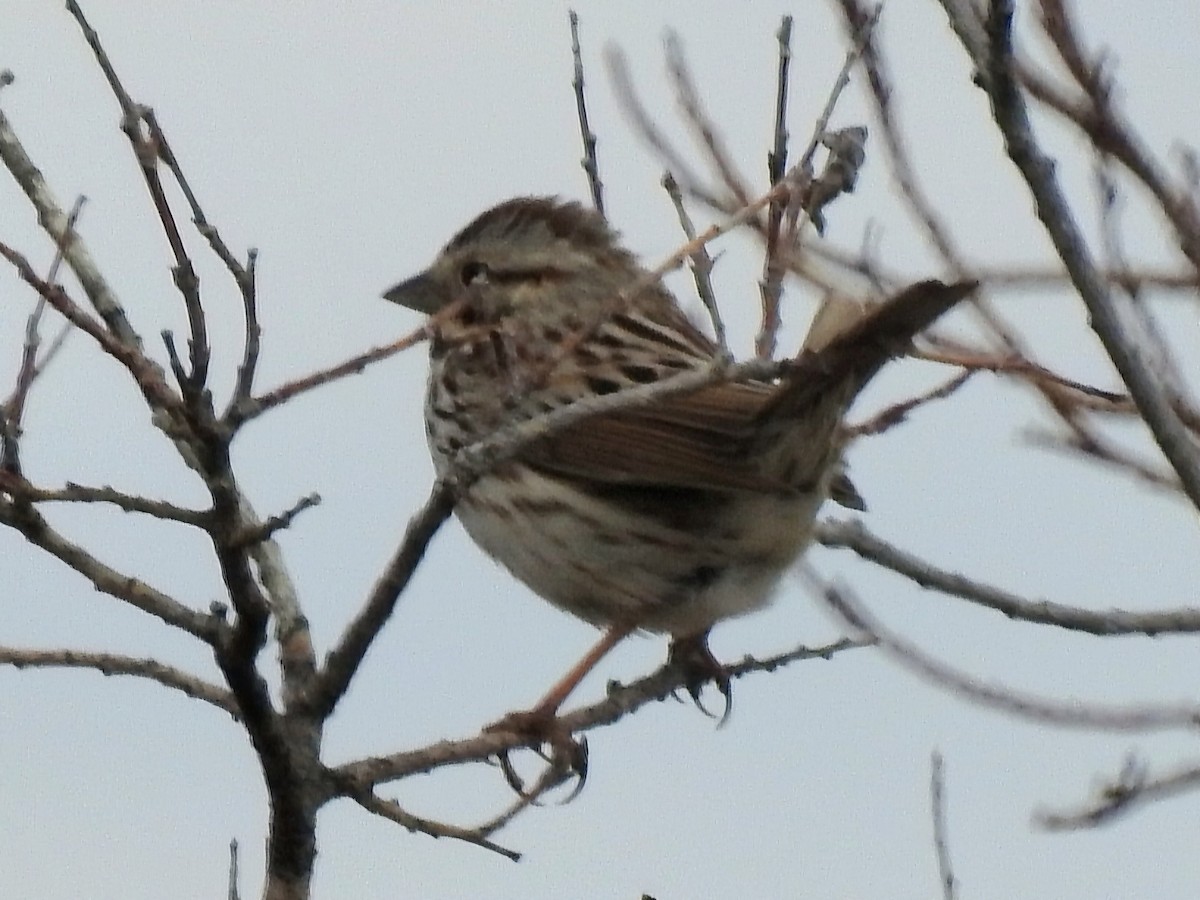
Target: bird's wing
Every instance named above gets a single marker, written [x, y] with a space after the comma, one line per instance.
[696, 440]
[709, 439]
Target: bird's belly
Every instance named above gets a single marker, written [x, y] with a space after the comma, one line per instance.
[609, 560]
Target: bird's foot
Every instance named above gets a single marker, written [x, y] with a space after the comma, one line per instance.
[698, 666]
[543, 732]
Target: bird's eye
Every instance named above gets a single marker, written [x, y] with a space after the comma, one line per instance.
[473, 273]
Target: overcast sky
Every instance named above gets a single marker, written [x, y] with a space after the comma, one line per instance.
[347, 142]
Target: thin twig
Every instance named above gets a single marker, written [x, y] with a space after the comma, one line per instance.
[590, 162]
[551, 777]
[688, 98]
[701, 263]
[851, 534]
[860, 42]
[1096, 115]
[1161, 358]
[1133, 787]
[893, 415]
[771, 284]
[232, 892]
[1106, 319]
[120, 664]
[964, 19]
[941, 843]
[31, 366]
[390, 809]
[620, 700]
[734, 220]
[148, 149]
[55, 223]
[505, 442]
[846, 155]
[1068, 714]
[297, 659]
[265, 530]
[78, 493]
[1107, 453]
[245, 409]
[147, 375]
[244, 387]
[343, 661]
[954, 354]
[30, 523]
[644, 125]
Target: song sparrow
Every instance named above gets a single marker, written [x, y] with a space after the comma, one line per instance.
[667, 517]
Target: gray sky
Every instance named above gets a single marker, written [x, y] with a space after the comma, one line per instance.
[348, 146]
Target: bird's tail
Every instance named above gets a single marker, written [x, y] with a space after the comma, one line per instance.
[848, 360]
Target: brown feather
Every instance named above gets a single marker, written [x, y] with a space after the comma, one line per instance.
[695, 440]
[856, 354]
[703, 440]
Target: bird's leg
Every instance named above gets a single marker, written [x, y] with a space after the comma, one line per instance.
[540, 723]
[698, 665]
[541, 716]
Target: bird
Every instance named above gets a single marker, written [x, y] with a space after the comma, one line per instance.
[668, 516]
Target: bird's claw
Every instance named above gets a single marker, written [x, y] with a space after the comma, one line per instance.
[699, 667]
[565, 755]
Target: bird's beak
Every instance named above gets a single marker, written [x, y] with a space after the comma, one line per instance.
[418, 293]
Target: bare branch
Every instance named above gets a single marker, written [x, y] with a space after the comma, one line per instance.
[964, 19]
[621, 700]
[248, 282]
[846, 155]
[1023, 279]
[1069, 714]
[688, 98]
[505, 442]
[390, 809]
[1107, 453]
[851, 534]
[119, 664]
[262, 531]
[590, 163]
[737, 219]
[244, 409]
[148, 376]
[55, 223]
[954, 354]
[941, 843]
[297, 659]
[644, 125]
[13, 410]
[857, 17]
[1131, 788]
[342, 663]
[548, 780]
[233, 870]
[777, 157]
[1107, 320]
[30, 523]
[701, 263]
[771, 284]
[1093, 112]
[21, 489]
[893, 415]
[147, 149]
